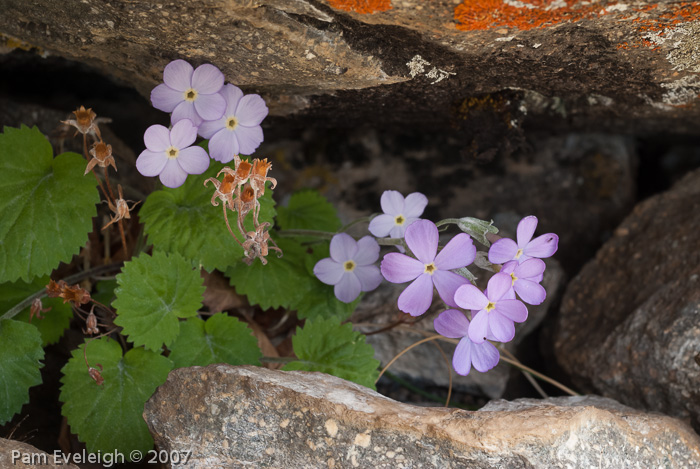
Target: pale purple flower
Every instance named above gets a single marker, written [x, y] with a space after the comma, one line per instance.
[526, 278]
[398, 214]
[351, 266]
[482, 357]
[497, 311]
[238, 131]
[190, 93]
[428, 269]
[169, 155]
[506, 249]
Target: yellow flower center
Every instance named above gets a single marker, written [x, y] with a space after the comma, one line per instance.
[490, 306]
[519, 253]
[512, 275]
[349, 266]
[231, 123]
[190, 95]
[172, 153]
[399, 220]
[430, 268]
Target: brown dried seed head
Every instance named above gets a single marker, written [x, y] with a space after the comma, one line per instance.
[261, 167]
[84, 118]
[248, 194]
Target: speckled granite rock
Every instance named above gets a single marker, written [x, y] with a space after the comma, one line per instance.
[22, 455]
[629, 323]
[247, 416]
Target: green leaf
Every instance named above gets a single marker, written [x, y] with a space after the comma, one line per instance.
[104, 291]
[221, 339]
[308, 210]
[183, 220]
[46, 205]
[20, 349]
[54, 322]
[154, 291]
[327, 346]
[108, 417]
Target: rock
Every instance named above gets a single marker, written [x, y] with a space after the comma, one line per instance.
[247, 416]
[628, 326]
[478, 66]
[18, 454]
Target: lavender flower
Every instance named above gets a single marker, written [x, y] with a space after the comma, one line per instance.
[238, 130]
[428, 269]
[398, 214]
[526, 278]
[482, 357]
[496, 311]
[169, 155]
[505, 249]
[350, 267]
[189, 93]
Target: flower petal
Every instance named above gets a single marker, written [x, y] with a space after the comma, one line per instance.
[172, 175]
[414, 205]
[470, 297]
[462, 358]
[392, 202]
[484, 356]
[178, 75]
[348, 288]
[529, 269]
[514, 310]
[498, 286]
[399, 268]
[207, 129]
[194, 160]
[183, 134]
[232, 94]
[251, 110]
[157, 138]
[381, 225]
[165, 98]
[459, 252]
[343, 248]
[329, 271]
[542, 246]
[223, 146]
[531, 293]
[151, 163]
[249, 138]
[418, 296]
[210, 106]
[367, 251]
[451, 323]
[447, 284]
[207, 79]
[501, 328]
[503, 250]
[185, 110]
[422, 239]
[526, 228]
[369, 277]
[479, 327]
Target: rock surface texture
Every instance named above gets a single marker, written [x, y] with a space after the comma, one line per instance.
[22, 455]
[610, 65]
[629, 326]
[247, 416]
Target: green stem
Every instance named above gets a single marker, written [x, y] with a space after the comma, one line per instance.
[12, 312]
[353, 223]
[447, 221]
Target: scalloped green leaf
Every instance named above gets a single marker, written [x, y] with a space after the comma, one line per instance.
[46, 205]
[183, 220]
[54, 322]
[327, 346]
[20, 349]
[154, 291]
[108, 417]
[221, 339]
[308, 210]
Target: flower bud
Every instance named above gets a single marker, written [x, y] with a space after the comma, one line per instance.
[477, 229]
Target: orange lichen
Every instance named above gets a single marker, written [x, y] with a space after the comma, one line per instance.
[361, 6]
[677, 14]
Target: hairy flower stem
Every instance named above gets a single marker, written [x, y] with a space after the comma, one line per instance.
[229, 226]
[119, 222]
[85, 154]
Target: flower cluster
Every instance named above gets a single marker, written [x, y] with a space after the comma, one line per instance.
[199, 103]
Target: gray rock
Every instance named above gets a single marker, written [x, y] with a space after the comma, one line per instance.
[247, 416]
[628, 326]
[22, 455]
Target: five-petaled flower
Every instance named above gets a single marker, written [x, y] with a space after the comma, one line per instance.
[496, 310]
[169, 153]
[238, 131]
[351, 266]
[398, 214]
[190, 93]
[526, 278]
[428, 269]
[506, 249]
[454, 325]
